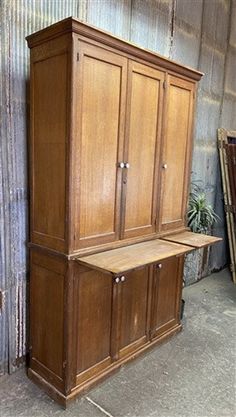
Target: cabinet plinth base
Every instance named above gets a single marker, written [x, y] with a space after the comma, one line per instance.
[64, 400]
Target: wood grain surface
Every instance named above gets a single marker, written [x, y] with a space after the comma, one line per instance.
[196, 240]
[124, 259]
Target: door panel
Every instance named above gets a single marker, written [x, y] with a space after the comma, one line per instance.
[94, 320]
[167, 289]
[101, 92]
[176, 153]
[143, 122]
[133, 310]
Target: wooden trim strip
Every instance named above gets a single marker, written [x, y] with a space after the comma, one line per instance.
[74, 25]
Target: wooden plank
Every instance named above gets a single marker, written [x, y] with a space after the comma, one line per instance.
[124, 259]
[223, 139]
[195, 240]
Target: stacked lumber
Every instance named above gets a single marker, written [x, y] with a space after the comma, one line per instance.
[227, 152]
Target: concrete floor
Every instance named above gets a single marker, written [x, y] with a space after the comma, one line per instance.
[192, 375]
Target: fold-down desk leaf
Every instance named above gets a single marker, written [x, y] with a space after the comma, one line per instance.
[195, 240]
[124, 259]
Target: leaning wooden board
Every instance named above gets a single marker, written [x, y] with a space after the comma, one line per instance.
[195, 240]
[124, 259]
[224, 138]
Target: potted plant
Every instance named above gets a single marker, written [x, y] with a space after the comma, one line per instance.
[200, 218]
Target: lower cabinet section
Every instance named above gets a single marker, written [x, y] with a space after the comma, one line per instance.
[86, 323]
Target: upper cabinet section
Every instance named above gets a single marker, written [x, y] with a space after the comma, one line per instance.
[110, 139]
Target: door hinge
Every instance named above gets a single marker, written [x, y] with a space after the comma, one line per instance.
[164, 84]
[77, 56]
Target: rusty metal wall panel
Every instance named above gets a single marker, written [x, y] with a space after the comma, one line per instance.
[110, 15]
[18, 19]
[174, 28]
[151, 24]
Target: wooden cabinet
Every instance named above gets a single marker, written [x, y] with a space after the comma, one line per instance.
[110, 150]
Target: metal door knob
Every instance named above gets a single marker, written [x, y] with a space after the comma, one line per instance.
[122, 278]
[121, 165]
[159, 266]
[164, 166]
[127, 165]
[117, 280]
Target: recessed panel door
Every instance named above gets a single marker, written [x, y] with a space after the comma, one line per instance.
[140, 175]
[99, 133]
[133, 293]
[177, 142]
[167, 289]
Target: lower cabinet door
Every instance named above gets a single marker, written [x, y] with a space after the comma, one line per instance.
[133, 295]
[166, 296]
[93, 309]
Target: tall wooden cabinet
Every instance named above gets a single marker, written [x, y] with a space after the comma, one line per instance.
[110, 153]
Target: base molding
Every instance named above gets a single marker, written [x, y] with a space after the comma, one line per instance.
[64, 400]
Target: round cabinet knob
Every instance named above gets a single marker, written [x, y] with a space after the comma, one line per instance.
[121, 165]
[159, 266]
[127, 165]
[117, 280]
[122, 278]
[164, 166]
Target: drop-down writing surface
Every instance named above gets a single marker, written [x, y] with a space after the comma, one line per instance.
[195, 240]
[124, 259]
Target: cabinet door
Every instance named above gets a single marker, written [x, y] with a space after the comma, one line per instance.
[167, 290]
[99, 133]
[177, 144]
[140, 180]
[93, 305]
[133, 294]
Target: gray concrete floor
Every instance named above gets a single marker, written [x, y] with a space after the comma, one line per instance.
[192, 375]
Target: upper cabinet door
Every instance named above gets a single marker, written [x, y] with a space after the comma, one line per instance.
[100, 86]
[177, 143]
[140, 179]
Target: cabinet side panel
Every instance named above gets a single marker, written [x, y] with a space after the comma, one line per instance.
[94, 312]
[46, 317]
[49, 131]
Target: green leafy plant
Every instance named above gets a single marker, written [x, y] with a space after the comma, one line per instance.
[201, 216]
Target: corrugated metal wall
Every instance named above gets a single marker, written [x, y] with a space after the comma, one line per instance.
[198, 33]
